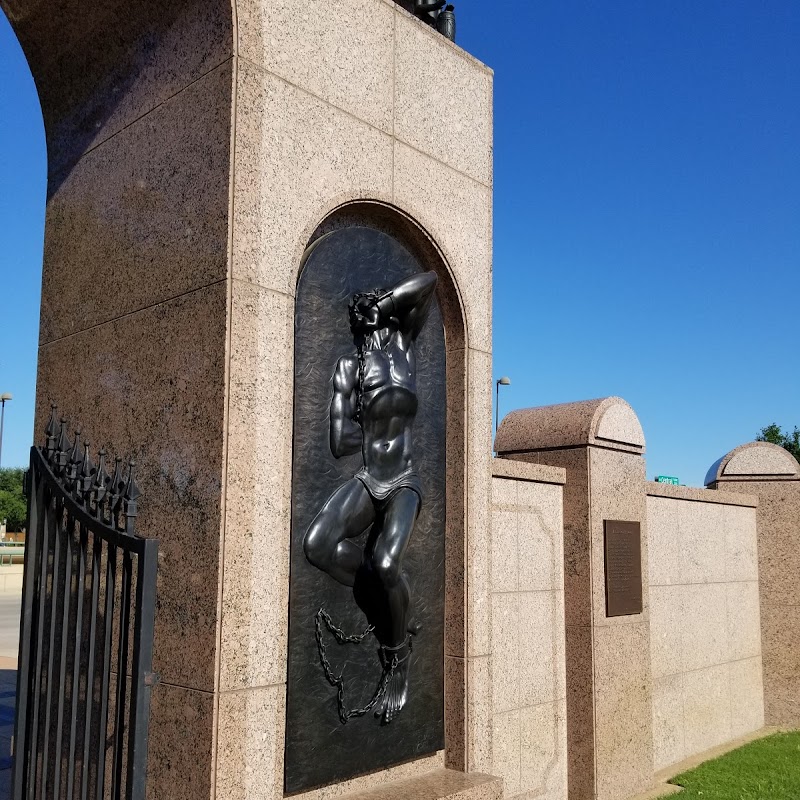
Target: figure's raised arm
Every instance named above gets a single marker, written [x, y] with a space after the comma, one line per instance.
[345, 432]
[409, 302]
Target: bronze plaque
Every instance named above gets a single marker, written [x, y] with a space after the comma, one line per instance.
[623, 552]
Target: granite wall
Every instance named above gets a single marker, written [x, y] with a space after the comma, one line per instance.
[529, 727]
[704, 619]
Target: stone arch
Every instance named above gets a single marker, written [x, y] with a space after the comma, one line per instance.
[162, 336]
[99, 67]
[136, 102]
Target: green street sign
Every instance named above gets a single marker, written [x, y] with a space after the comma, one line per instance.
[667, 479]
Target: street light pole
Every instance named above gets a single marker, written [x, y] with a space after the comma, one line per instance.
[3, 398]
[504, 381]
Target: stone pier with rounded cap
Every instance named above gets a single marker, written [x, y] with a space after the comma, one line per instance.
[600, 444]
[772, 474]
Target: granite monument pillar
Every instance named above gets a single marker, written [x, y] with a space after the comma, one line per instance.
[195, 149]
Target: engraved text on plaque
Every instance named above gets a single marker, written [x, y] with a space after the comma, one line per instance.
[623, 561]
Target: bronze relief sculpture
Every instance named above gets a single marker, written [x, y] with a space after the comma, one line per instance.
[372, 413]
[369, 510]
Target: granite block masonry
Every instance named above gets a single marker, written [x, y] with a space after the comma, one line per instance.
[705, 630]
[195, 149]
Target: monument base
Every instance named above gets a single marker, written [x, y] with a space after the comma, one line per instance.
[437, 785]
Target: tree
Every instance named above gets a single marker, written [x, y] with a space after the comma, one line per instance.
[13, 505]
[789, 441]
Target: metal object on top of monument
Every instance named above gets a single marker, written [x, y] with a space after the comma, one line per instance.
[438, 14]
[366, 591]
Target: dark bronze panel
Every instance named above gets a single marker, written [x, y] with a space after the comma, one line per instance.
[325, 740]
[623, 563]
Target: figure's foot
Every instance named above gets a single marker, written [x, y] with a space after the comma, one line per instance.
[396, 694]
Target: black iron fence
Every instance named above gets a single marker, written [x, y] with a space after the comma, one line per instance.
[86, 640]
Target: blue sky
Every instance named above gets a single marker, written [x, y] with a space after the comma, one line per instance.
[646, 222]
[23, 174]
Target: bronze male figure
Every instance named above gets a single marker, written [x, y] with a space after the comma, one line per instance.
[372, 411]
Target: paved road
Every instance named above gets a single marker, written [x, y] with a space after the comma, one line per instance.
[9, 624]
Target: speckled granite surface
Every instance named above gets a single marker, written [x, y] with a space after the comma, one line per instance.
[194, 148]
[443, 784]
[773, 475]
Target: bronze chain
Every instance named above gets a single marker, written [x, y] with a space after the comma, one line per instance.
[337, 681]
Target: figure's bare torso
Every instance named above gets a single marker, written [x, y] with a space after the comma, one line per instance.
[389, 406]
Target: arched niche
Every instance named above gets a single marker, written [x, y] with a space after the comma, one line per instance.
[384, 220]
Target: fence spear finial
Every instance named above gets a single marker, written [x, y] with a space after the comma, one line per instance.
[84, 484]
[62, 448]
[73, 463]
[132, 494]
[50, 433]
[116, 488]
[101, 479]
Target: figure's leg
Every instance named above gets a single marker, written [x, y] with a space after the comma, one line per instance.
[391, 598]
[386, 560]
[347, 513]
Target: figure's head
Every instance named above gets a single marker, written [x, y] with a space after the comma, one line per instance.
[364, 312]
